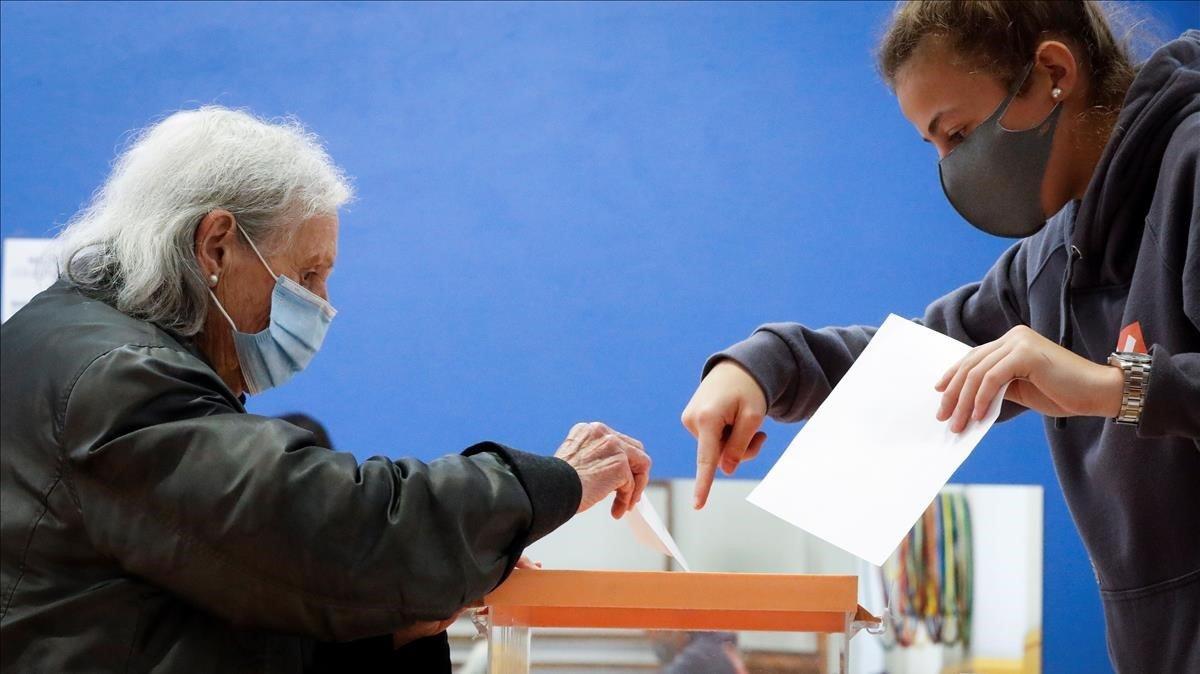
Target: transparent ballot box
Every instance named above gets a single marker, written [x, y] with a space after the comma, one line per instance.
[671, 602]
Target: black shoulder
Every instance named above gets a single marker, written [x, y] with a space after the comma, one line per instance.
[54, 339]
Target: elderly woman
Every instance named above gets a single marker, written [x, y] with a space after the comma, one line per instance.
[149, 523]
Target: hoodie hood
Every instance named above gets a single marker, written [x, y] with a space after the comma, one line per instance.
[1111, 217]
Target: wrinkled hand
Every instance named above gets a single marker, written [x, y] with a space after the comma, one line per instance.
[724, 415]
[606, 461]
[1041, 375]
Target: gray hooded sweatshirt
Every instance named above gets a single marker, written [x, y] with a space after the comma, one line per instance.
[1128, 253]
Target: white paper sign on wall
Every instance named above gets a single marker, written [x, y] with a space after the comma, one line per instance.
[29, 268]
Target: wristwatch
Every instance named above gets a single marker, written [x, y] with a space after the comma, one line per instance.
[1136, 367]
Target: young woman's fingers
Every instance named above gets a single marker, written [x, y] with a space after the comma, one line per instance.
[989, 387]
[708, 454]
[950, 392]
[944, 380]
[744, 428]
[968, 360]
[970, 386]
[755, 445]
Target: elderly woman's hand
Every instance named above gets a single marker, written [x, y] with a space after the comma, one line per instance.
[606, 461]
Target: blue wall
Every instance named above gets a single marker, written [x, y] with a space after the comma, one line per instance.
[563, 208]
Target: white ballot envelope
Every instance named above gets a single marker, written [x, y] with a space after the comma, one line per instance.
[649, 530]
[865, 467]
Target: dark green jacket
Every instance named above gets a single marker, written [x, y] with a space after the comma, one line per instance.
[148, 523]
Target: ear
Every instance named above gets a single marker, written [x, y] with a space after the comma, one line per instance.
[215, 237]
[1058, 61]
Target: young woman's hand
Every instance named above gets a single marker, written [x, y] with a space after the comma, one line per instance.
[1041, 375]
[724, 415]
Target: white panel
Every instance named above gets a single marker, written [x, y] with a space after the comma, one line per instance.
[594, 540]
[730, 534]
[28, 270]
[1007, 526]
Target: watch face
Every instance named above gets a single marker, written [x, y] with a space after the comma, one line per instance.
[1139, 358]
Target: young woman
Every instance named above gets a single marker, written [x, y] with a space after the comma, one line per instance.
[1092, 318]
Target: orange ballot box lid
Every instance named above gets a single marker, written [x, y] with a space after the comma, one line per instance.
[678, 601]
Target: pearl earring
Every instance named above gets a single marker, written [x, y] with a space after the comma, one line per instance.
[1056, 93]
[212, 280]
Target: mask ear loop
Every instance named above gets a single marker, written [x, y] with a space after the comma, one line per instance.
[260, 259]
[222, 309]
[255, 249]
[1012, 96]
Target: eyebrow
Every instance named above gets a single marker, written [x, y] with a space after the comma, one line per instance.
[318, 260]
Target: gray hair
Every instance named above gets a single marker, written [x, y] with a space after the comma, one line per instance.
[133, 245]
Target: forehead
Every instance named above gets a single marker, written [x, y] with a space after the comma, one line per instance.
[315, 241]
[936, 80]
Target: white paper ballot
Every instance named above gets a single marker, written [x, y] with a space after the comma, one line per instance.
[650, 531]
[867, 464]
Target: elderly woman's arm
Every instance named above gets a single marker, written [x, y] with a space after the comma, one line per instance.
[240, 515]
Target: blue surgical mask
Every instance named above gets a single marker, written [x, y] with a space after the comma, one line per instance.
[299, 319]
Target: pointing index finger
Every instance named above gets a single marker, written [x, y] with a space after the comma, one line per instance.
[708, 453]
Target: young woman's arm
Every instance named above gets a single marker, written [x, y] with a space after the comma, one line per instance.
[797, 366]
[786, 370]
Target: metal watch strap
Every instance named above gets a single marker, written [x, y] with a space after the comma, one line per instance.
[1136, 368]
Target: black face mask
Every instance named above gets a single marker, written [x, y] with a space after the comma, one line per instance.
[994, 177]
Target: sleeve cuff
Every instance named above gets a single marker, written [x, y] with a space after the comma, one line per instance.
[766, 357]
[552, 485]
[1172, 399]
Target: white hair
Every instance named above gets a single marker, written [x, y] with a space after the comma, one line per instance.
[133, 245]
